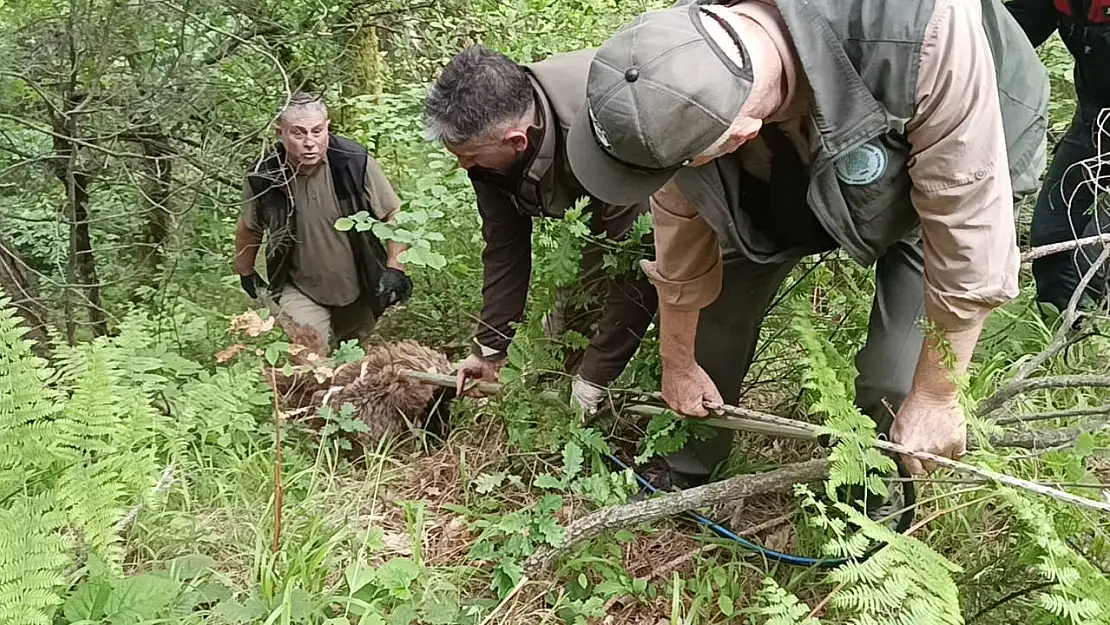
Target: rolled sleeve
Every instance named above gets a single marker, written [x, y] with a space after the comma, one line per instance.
[961, 183]
[687, 267]
[383, 198]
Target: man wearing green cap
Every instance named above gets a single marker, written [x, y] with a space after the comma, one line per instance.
[767, 131]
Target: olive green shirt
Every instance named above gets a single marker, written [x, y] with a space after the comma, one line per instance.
[323, 264]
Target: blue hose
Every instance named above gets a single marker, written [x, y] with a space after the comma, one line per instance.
[779, 556]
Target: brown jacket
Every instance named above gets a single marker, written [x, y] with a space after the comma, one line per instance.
[540, 184]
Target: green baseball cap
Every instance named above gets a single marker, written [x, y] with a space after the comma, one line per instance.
[660, 92]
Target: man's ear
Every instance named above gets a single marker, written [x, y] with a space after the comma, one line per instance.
[518, 139]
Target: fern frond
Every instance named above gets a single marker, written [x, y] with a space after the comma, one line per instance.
[32, 557]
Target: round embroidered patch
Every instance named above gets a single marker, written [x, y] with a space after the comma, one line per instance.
[862, 165]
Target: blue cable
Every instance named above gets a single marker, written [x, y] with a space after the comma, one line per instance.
[771, 554]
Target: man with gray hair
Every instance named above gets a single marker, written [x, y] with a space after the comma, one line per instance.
[507, 125]
[771, 130]
[327, 285]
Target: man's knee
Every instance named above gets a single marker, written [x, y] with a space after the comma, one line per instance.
[306, 322]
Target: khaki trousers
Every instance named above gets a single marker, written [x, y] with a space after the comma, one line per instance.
[728, 331]
[318, 327]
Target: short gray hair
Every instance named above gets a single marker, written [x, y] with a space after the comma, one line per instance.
[301, 101]
[476, 93]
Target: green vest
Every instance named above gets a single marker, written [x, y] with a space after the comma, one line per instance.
[861, 59]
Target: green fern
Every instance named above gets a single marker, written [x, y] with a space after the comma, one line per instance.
[853, 461]
[32, 556]
[1080, 594]
[905, 581]
[77, 450]
[780, 607]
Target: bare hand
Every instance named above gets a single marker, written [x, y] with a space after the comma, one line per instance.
[475, 368]
[690, 391]
[934, 426]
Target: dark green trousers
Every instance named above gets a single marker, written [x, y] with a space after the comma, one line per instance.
[728, 332]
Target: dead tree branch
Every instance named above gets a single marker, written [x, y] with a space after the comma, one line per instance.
[615, 517]
[1019, 387]
[1065, 246]
[1056, 414]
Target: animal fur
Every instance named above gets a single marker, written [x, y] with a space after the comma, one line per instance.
[386, 402]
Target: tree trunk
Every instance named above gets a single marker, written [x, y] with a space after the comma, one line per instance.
[81, 268]
[81, 253]
[159, 218]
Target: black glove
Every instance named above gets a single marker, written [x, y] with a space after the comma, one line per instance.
[394, 287]
[251, 283]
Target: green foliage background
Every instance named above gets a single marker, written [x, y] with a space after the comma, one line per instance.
[137, 473]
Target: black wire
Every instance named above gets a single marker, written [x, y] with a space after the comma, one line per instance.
[909, 495]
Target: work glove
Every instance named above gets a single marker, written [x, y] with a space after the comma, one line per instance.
[586, 397]
[251, 283]
[394, 287]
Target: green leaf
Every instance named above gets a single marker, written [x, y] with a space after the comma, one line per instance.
[1085, 445]
[397, 576]
[724, 602]
[572, 460]
[87, 602]
[548, 481]
[343, 224]
[486, 483]
[358, 575]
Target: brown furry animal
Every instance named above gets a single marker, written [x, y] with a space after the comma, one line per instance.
[386, 402]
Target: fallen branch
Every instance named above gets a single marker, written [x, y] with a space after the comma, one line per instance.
[1063, 336]
[670, 504]
[996, 477]
[1042, 440]
[1066, 246]
[999, 399]
[1057, 414]
[748, 420]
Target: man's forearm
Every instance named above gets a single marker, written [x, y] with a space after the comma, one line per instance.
[945, 355]
[394, 250]
[678, 331]
[247, 242]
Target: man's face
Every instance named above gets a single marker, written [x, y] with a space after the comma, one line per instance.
[305, 137]
[496, 153]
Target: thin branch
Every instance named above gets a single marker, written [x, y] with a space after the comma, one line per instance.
[1018, 387]
[1043, 440]
[1066, 246]
[1057, 414]
[754, 421]
[1059, 342]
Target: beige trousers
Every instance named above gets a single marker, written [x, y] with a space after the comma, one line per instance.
[318, 327]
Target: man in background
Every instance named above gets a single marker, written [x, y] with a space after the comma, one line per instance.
[327, 286]
[1067, 207]
[507, 125]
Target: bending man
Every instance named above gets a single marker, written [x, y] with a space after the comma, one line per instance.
[507, 124]
[789, 128]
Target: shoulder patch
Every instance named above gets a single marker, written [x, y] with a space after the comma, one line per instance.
[863, 165]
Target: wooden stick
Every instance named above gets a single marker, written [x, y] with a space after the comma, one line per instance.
[1058, 414]
[1066, 246]
[1000, 398]
[279, 489]
[747, 420]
